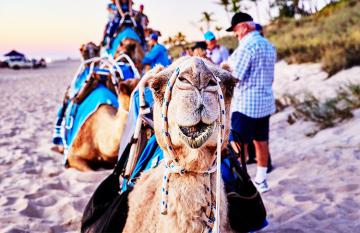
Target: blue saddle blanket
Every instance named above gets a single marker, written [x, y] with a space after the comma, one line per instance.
[127, 33]
[79, 81]
[76, 115]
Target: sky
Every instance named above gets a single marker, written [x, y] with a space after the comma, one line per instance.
[56, 29]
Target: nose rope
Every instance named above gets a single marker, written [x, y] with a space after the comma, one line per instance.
[171, 166]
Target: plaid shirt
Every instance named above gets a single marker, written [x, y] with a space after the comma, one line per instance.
[253, 64]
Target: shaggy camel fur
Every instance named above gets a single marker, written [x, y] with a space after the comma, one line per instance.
[194, 108]
[97, 142]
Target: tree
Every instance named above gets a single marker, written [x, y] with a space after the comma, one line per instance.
[180, 39]
[169, 41]
[235, 6]
[207, 19]
[290, 8]
[218, 30]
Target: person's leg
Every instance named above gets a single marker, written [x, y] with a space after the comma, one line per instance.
[262, 156]
[112, 29]
[252, 153]
[261, 137]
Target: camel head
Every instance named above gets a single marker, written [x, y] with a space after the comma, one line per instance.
[194, 110]
[126, 88]
[133, 49]
[89, 50]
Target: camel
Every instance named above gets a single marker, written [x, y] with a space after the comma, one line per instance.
[87, 51]
[193, 116]
[97, 142]
[133, 49]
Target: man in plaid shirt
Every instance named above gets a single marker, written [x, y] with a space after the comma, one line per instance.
[253, 64]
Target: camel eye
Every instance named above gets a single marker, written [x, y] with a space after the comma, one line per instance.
[182, 79]
[212, 83]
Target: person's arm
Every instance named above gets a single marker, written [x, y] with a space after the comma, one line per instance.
[151, 55]
[240, 62]
[146, 20]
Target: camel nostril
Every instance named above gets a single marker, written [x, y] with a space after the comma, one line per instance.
[201, 107]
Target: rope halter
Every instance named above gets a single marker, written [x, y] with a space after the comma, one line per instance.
[171, 166]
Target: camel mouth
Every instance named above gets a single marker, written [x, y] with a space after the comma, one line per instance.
[196, 135]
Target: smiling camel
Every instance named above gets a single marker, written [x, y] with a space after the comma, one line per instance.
[193, 120]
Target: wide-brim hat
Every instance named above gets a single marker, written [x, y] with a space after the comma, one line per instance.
[239, 17]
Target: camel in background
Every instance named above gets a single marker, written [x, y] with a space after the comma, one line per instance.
[193, 116]
[134, 50]
[97, 142]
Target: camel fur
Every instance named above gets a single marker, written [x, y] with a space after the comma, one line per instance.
[194, 101]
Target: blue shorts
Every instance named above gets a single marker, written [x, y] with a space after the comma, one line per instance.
[248, 129]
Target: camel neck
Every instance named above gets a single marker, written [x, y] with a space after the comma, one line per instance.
[184, 189]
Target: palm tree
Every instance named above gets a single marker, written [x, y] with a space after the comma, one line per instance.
[169, 41]
[180, 38]
[235, 6]
[218, 30]
[207, 18]
[197, 26]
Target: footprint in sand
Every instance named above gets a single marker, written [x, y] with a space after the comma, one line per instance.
[12, 133]
[348, 188]
[8, 201]
[303, 198]
[357, 154]
[45, 201]
[31, 211]
[37, 194]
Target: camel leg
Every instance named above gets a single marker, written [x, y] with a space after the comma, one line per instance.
[79, 163]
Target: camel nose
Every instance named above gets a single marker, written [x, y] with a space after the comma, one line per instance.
[201, 108]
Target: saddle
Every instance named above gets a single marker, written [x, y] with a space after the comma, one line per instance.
[101, 76]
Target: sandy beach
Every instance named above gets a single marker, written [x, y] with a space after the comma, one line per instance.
[315, 186]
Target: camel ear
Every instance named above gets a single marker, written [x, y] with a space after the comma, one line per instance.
[97, 47]
[82, 48]
[157, 81]
[126, 87]
[225, 66]
[229, 84]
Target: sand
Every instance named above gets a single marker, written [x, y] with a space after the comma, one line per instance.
[36, 193]
[315, 186]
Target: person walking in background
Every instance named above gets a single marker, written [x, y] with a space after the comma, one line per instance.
[215, 52]
[158, 53]
[253, 63]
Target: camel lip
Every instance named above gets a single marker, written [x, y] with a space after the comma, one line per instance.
[196, 135]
